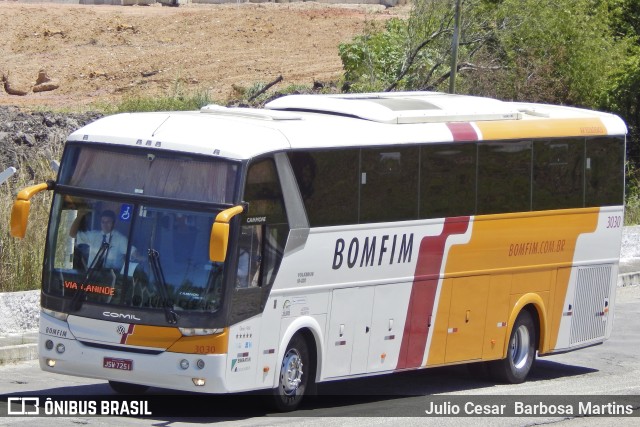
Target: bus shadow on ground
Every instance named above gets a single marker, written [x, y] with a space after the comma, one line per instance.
[460, 378]
[399, 394]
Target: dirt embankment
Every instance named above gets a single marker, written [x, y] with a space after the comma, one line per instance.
[100, 54]
[27, 135]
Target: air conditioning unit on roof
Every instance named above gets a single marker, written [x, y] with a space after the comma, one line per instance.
[401, 108]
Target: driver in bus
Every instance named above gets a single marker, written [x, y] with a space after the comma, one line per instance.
[116, 253]
[249, 258]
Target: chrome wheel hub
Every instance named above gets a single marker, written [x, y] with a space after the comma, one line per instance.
[519, 347]
[291, 372]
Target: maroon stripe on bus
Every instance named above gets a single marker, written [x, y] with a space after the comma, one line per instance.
[123, 339]
[423, 293]
[463, 132]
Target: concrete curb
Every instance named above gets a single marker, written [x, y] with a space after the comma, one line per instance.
[19, 348]
[20, 314]
[629, 279]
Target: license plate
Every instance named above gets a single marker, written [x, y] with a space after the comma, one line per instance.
[122, 364]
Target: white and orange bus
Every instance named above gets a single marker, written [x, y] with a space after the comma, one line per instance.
[328, 237]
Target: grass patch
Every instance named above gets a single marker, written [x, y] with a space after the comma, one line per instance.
[632, 210]
[177, 99]
[181, 102]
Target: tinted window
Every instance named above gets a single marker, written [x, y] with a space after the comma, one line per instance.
[389, 184]
[504, 177]
[263, 193]
[150, 172]
[447, 180]
[328, 182]
[604, 171]
[558, 174]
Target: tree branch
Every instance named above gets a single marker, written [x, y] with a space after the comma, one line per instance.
[464, 66]
[266, 88]
[412, 56]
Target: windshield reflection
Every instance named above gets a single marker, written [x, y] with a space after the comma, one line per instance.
[151, 257]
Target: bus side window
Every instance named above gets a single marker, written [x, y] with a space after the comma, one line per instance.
[264, 228]
[264, 194]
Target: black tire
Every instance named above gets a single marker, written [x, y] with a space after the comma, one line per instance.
[520, 354]
[126, 388]
[294, 377]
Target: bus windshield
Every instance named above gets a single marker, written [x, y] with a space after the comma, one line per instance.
[132, 255]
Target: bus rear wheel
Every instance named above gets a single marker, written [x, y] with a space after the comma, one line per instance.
[126, 388]
[294, 375]
[520, 354]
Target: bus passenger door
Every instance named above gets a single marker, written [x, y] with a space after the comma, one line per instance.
[349, 326]
[467, 314]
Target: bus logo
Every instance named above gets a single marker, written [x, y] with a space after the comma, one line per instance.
[120, 315]
[371, 251]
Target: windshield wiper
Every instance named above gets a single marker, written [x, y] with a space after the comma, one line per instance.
[154, 261]
[97, 260]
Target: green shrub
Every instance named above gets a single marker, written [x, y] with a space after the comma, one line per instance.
[181, 102]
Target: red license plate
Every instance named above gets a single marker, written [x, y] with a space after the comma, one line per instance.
[122, 364]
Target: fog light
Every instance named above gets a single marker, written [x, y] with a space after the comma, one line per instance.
[60, 348]
[50, 363]
[200, 364]
[184, 364]
[48, 344]
[199, 382]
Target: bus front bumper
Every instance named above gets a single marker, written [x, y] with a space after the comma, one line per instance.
[165, 370]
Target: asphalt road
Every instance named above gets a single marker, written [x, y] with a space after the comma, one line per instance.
[610, 372]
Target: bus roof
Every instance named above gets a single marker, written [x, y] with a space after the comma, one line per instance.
[330, 121]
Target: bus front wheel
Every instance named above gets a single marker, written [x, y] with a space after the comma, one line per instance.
[520, 354]
[294, 375]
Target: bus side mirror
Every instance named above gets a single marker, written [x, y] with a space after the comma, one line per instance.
[219, 240]
[20, 210]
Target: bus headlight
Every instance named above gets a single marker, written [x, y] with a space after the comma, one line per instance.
[60, 348]
[55, 314]
[189, 332]
[48, 345]
[184, 364]
[200, 363]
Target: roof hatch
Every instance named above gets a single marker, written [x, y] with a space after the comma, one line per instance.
[251, 113]
[401, 107]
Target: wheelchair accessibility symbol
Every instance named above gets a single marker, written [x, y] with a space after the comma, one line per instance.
[126, 212]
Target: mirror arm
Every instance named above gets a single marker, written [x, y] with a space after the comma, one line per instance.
[27, 193]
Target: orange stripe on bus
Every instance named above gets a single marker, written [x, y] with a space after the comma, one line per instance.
[153, 336]
[202, 344]
[541, 128]
[508, 255]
